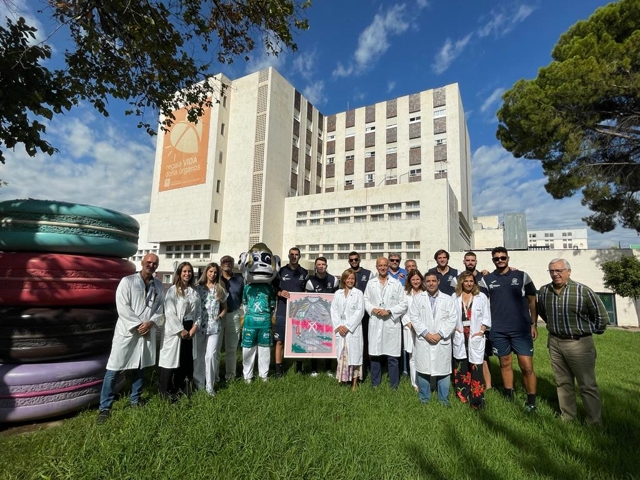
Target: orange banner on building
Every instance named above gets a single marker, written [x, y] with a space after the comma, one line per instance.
[184, 152]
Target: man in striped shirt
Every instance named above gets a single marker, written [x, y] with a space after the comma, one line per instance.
[573, 313]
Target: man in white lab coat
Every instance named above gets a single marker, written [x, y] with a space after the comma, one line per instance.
[139, 300]
[385, 302]
[433, 316]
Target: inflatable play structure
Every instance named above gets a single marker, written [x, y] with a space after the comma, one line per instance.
[60, 265]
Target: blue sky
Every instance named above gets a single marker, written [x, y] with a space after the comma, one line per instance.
[354, 54]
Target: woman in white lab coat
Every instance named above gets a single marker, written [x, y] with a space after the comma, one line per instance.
[413, 285]
[182, 310]
[347, 310]
[474, 317]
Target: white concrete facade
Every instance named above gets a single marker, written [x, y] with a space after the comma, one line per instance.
[569, 238]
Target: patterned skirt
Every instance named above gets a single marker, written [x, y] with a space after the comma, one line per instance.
[468, 379]
[346, 372]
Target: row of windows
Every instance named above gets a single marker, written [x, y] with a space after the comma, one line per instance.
[359, 209]
[381, 217]
[551, 234]
[188, 247]
[363, 256]
[360, 247]
[188, 255]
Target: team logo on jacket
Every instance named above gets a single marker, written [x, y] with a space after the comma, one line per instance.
[514, 281]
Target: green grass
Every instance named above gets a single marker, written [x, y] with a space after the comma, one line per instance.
[304, 428]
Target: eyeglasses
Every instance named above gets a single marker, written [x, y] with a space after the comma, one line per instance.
[552, 272]
[500, 259]
[394, 260]
[354, 259]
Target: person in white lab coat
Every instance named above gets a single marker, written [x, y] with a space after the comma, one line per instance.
[413, 286]
[385, 302]
[433, 315]
[139, 301]
[182, 312]
[474, 317]
[347, 310]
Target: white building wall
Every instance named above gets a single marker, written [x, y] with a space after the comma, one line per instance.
[557, 239]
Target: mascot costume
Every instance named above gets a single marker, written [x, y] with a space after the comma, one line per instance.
[259, 268]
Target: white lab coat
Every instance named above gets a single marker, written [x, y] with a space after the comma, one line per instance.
[385, 332]
[480, 315]
[177, 309]
[433, 359]
[129, 349]
[348, 311]
[409, 336]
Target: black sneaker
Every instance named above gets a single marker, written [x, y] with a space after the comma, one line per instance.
[103, 416]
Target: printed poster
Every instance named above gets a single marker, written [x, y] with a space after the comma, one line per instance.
[309, 333]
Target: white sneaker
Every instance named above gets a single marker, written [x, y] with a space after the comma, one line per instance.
[264, 379]
[314, 374]
[330, 374]
[247, 381]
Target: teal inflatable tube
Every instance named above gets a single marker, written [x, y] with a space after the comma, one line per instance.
[62, 227]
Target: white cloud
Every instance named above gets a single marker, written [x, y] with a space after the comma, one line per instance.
[15, 9]
[492, 99]
[504, 20]
[114, 170]
[259, 59]
[422, 4]
[448, 53]
[373, 42]
[314, 92]
[305, 64]
[390, 86]
[503, 184]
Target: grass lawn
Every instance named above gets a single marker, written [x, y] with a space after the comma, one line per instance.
[304, 428]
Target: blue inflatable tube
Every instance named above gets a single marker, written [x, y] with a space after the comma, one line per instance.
[62, 227]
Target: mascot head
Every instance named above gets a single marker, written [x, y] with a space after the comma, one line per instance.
[259, 265]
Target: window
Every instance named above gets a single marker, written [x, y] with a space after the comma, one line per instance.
[394, 125]
[302, 214]
[360, 209]
[395, 206]
[331, 160]
[370, 155]
[224, 101]
[307, 150]
[195, 255]
[215, 216]
[294, 167]
[166, 278]
[349, 157]
[344, 220]
[315, 221]
[343, 256]
[369, 178]
[314, 248]
[295, 141]
[609, 301]
[413, 204]
[328, 248]
[414, 119]
[441, 141]
[392, 149]
[169, 248]
[413, 215]
[177, 255]
[219, 157]
[196, 248]
[349, 135]
[296, 114]
[344, 246]
[377, 208]
[217, 186]
[320, 134]
[395, 216]
[377, 246]
[344, 211]
[359, 219]
[377, 218]
[415, 172]
[319, 158]
[187, 248]
[331, 136]
[415, 256]
[329, 221]
[413, 245]
[178, 248]
[222, 129]
[206, 246]
[315, 213]
[392, 177]
[395, 246]
[532, 235]
[348, 182]
[548, 235]
[331, 211]
[441, 112]
[359, 246]
[370, 129]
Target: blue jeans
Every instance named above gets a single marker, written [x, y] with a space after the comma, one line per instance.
[376, 370]
[109, 385]
[424, 388]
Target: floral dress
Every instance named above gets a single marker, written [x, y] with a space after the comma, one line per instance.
[468, 378]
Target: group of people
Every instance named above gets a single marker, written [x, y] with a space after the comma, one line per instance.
[447, 324]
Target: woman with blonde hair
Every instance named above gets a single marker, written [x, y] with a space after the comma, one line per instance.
[347, 310]
[413, 285]
[474, 317]
[213, 297]
[182, 311]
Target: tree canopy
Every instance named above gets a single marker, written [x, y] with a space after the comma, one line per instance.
[623, 276]
[156, 55]
[581, 116]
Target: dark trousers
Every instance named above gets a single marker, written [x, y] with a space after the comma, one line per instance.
[376, 370]
[327, 364]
